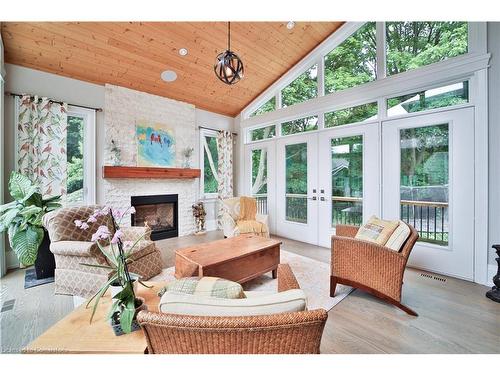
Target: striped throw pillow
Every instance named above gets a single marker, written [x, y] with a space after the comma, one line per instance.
[205, 286]
[398, 237]
[377, 230]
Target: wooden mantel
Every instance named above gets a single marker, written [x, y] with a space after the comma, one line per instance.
[109, 171]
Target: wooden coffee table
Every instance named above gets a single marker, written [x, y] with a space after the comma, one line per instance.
[239, 259]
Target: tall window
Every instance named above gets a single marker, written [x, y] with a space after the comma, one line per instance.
[259, 178]
[80, 156]
[210, 162]
[353, 62]
[414, 44]
[303, 88]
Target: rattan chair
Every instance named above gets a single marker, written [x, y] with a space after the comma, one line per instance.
[289, 333]
[368, 266]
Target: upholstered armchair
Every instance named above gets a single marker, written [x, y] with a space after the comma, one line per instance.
[296, 332]
[74, 251]
[370, 267]
[231, 207]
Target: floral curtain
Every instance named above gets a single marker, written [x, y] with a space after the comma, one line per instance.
[41, 143]
[224, 170]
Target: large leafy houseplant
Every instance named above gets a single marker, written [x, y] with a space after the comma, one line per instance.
[118, 253]
[22, 218]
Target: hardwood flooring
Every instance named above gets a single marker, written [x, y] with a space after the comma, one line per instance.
[454, 315]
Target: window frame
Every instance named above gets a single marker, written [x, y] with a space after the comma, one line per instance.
[89, 153]
[205, 133]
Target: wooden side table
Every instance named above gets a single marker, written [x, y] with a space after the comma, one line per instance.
[76, 335]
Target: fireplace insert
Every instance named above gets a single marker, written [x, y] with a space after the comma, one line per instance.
[159, 212]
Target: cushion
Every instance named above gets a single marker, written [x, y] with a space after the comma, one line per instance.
[292, 300]
[205, 286]
[398, 237]
[232, 207]
[377, 230]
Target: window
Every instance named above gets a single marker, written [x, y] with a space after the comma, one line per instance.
[263, 133]
[425, 180]
[80, 156]
[299, 126]
[445, 96]
[210, 164]
[414, 44]
[268, 106]
[303, 88]
[259, 179]
[353, 62]
[347, 180]
[351, 115]
[296, 182]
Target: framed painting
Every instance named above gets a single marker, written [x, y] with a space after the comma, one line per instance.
[155, 145]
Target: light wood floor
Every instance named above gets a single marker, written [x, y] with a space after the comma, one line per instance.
[454, 315]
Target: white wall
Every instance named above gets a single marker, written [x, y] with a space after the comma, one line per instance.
[24, 80]
[494, 137]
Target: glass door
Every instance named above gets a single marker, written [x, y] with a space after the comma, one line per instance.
[429, 184]
[296, 188]
[348, 178]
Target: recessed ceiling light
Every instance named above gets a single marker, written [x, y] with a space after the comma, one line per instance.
[183, 51]
[169, 76]
[290, 25]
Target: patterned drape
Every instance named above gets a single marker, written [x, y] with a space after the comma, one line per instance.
[224, 170]
[41, 143]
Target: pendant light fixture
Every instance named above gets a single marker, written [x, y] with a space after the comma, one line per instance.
[228, 66]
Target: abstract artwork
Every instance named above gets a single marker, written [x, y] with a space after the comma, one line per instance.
[155, 145]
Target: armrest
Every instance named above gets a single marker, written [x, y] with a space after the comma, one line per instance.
[346, 230]
[228, 224]
[74, 248]
[286, 278]
[133, 233]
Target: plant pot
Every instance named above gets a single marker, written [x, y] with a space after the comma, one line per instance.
[45, 263]
[115, 322]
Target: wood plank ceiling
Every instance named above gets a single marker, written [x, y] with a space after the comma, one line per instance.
[133, 55]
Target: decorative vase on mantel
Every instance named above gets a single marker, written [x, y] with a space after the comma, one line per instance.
[494, 293]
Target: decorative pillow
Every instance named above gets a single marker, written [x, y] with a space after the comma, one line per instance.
[377, 230]
[232, 207]
[206, 287]
[398, 237]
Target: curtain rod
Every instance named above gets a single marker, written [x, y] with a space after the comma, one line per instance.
[204, 127]
[57, 101]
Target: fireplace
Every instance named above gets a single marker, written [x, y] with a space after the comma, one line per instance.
[159, 212]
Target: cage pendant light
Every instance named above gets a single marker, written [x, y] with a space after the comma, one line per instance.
[228, 66]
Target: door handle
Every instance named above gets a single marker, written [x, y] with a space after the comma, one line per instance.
[313, 198]
[323, 199]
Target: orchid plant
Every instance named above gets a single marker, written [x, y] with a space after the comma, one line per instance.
[118, 254]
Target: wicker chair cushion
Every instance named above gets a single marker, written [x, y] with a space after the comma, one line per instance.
[292, 300]
[377, 230]
[205, 287]
[398, 237]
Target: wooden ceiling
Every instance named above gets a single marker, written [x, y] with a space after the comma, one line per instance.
[133, 55]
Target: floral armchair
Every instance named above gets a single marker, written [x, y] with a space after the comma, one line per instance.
[74, 251]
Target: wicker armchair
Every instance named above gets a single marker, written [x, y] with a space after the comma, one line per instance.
[368, 266]
[289, 333]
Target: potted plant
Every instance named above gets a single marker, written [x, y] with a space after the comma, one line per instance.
[121, 282]
[22, 219]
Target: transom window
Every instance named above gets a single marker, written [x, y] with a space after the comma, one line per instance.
[268, 106]
[303, 88]
[301, 125]
[351, 115]
[263, 133]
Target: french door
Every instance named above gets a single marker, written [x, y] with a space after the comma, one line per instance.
[428, 181]
[321, 180]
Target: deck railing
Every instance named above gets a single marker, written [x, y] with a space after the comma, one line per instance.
[430, 219]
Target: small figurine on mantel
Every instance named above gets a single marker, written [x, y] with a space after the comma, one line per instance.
[116, 153]
[199, 214]
[187, 153]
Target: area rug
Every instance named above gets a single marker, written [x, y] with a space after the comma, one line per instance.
[312, 275]
[30, 279]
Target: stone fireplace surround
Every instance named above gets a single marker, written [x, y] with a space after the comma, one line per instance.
[122, 109]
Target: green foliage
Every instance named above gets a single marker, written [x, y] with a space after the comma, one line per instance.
[268, 106]
[210, 181]
[300, 125]
[263, 133]
[22, 218]
[75, 157]
[351, 115]
[303, 88]
[414, 44]
[353, 62]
